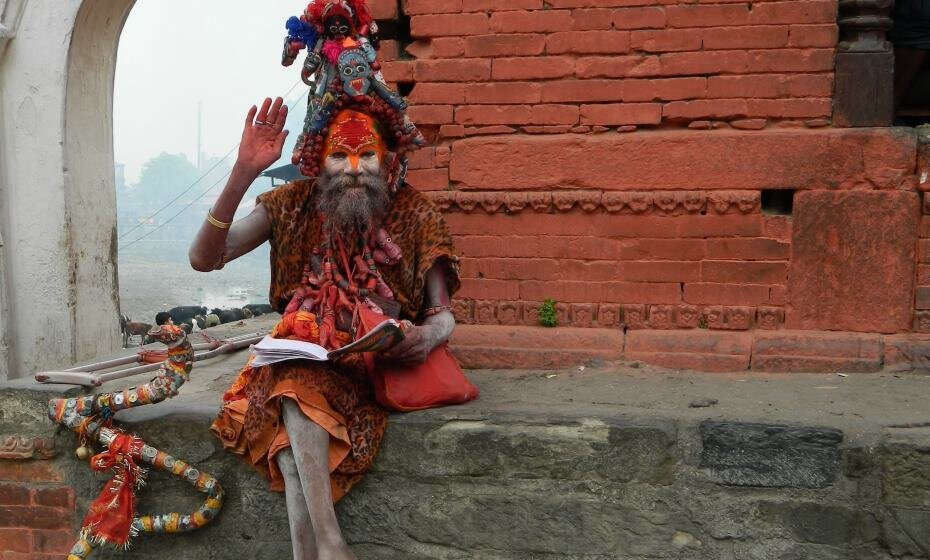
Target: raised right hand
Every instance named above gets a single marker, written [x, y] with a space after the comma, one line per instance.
[263, 136]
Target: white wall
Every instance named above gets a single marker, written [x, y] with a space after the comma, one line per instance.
[57, 201]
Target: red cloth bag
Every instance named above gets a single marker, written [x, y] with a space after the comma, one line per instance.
[438, 381]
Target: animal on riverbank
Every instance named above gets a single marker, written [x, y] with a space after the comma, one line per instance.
[130, 328]
[186, 313]
[232, 315]
[259, 309]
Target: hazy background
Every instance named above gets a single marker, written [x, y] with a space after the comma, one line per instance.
[173, 55]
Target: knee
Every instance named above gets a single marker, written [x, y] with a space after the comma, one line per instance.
[287, 463]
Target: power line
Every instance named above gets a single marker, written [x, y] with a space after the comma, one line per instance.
[143, 221]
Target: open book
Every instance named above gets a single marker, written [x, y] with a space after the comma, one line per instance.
[273, 350]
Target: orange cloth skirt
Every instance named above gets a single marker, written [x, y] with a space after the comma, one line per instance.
[339, 399]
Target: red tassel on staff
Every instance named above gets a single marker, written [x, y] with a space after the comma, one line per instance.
[109, 518]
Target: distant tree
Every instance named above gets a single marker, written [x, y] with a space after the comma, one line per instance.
[164, 177]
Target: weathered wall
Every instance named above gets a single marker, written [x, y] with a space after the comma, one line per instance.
[614, 158]
[56, 181]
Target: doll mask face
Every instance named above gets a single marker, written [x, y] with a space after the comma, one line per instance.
[355, 72]
[338, 27]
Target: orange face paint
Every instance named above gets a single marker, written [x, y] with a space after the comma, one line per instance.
[353, 133]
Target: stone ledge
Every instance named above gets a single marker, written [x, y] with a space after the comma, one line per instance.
[567, 464]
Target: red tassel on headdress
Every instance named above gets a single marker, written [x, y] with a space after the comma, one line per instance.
[109, 518]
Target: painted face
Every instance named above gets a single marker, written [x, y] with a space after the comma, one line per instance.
[353, 145]
[355, 72]
[338, 27]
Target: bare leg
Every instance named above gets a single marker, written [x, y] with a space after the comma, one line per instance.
[310, 445]
[298, 517]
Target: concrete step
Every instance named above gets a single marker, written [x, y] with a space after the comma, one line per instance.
[634, 463]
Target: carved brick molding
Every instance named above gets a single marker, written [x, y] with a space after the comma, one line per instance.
[610, 315]
[20, 448]
[613, 202]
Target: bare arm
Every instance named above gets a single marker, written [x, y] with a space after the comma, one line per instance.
[262, 141]
[436, 329]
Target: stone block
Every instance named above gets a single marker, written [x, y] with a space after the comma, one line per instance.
[906, 352]
[516, 347]
[770, 456]
[799, 159]
[798, 351]
[701, 350]
[906, 475]
[848, 248]
[820, 523]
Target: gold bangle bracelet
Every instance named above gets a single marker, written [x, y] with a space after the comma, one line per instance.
[213, 221]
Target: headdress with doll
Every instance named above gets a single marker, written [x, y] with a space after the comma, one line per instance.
[342, 70]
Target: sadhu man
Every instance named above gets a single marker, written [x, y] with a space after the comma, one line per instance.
[314, 428]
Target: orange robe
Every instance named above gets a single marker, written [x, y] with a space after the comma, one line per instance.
[339, 398]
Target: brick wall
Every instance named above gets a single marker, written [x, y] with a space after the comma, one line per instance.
[612, 154]
[37, 511]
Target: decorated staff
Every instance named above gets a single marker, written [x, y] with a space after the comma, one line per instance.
[112, 516]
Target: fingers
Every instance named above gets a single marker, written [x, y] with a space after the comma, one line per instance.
[250, 118]
[263, 112]
[281, 116]
[274, 113]
[279, 141]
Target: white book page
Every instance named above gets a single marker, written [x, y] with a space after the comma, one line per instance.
[272, 350]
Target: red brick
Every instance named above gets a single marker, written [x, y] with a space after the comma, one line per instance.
[617, 66]
[503, 92]
[559, 247]
[790, 60]
[455, 25]
[777, 227]
[705, 109]
[428, 179]
[663, 249]
[505, 45]
[493, 114]
[494, 129]
[749, 124]
[14, 494]
[53, 542]
[816, 352]
[807, 36]
[460, 70]
[667, 40]
[758, 249]
[389, 51]
[532, 68]
[438, 94]
[452, 131]
[591, 19]
[489, 289]
[810, 85]
[511, 347]
[431, 114]
[15, 540]
[707, 16]
[543, 21]
[704, 62]
[790, 108]
[924, 226]
[665, 90]
[498, 6]
[583, 91]
[422, 158]
[438, 47]
[804, 159]
[621, 114]
[923, 275]
[922, 299]
[398, 71]
[809, 11]
[758, 272]
[29, 471]
[756, 37]
[699, 350]
[555, 114]
[725, 294]
[420, 7]
[778, 295]
[766, 85]
[588, 42]
[659, 271]
[383, 9]
[62, 496]
[652, 17]
[35, 517]
[569, 291]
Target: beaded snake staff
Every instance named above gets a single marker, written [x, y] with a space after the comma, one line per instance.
[111, 518]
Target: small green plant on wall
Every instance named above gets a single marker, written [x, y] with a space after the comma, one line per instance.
[547, 314]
